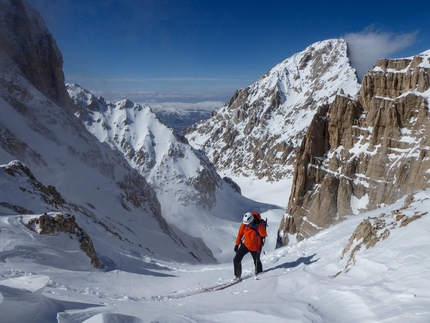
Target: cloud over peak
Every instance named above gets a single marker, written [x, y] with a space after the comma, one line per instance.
[370, 45]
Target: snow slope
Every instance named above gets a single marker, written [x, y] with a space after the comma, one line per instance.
[304, 282]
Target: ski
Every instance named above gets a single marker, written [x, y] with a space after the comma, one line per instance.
[214, 288]
[217, 287]
[224, 286]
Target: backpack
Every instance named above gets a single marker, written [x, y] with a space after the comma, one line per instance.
[259, 220]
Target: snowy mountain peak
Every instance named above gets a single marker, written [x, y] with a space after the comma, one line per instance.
[257, 133]
[314, 69]
[136, 131]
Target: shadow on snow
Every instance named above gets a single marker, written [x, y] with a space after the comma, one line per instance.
[298, 262]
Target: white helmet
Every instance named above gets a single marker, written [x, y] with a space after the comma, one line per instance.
[248, 218]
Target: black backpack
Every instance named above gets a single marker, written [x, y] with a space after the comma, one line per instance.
[259, 220]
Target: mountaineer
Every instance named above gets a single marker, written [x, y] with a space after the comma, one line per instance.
[250, 238]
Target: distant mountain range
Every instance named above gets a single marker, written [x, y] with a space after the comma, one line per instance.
[180, 116]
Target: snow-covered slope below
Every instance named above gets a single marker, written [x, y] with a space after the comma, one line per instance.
[192, 195]
[256, 134]
[305, 282]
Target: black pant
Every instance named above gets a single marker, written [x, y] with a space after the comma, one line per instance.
[237, 261]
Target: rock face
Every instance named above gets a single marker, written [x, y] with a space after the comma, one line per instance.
[27, 43]
[65, 223]
[258, 131]
[360, 153]
[48, 194]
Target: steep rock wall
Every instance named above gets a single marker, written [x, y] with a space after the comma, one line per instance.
[359, 154]
[25, 41]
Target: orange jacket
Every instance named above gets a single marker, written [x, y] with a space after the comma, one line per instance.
[252, 239]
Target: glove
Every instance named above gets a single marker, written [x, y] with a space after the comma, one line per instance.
[235, 248]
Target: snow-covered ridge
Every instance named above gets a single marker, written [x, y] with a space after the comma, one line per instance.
[421, 60]
[186, 183]
[135, 130]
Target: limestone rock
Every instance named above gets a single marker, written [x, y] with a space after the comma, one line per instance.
[65, 223]
[361, 153]
[375, 229]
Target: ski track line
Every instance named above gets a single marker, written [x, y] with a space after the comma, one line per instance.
[209, 289]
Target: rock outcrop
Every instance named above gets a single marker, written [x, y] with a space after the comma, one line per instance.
[361, 153]
[30, 185]
[65, 223]
[375, 229]
[25, 41]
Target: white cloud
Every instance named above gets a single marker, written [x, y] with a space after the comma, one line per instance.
[369, 45]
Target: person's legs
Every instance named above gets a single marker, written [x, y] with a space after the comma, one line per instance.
[257, 262]
[237, 260]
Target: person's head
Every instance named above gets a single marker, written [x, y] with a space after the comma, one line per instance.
[248, 218]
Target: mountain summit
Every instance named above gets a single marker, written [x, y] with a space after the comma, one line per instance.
[258, 131]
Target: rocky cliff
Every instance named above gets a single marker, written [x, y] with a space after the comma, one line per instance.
[257, 132]
[360, 153]
[28, 45]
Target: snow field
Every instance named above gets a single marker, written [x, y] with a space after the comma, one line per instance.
[301, 282]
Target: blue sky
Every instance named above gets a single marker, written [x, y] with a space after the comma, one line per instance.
[198, 50]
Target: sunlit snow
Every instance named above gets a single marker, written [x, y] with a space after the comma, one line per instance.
[303, 282]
